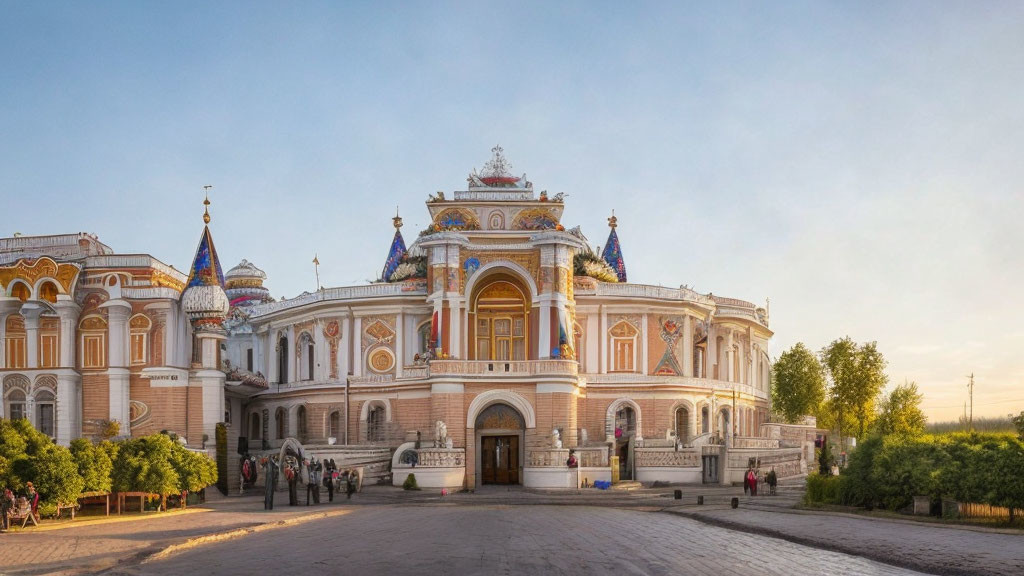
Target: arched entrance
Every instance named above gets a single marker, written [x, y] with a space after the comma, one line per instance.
[500, 436]
[499, 318]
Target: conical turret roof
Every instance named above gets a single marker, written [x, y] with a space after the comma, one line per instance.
[613, 252]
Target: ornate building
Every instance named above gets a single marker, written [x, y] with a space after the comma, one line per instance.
[491, 346]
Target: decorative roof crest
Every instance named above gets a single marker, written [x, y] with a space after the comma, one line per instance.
[497, 166]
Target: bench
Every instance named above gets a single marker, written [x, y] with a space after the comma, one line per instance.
[23, 513]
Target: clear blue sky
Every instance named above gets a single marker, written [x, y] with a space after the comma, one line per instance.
[858, 163]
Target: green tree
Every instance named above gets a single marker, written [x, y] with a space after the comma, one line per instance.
[195, 470]
[799, 384]
[28, 455]
[94, 463]
[1018, 422]
[857, 373]
[143, 465]
[900, 411]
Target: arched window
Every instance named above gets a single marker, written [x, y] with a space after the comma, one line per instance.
[300, 414]
[334, 425]
[423, 337]
[14, 339]
[306, 356]
[624, 344]
[625, 421]
[21, 291]
[48, 292]
[45, 412]
[282, 359]
[281, 421]
[93, 341]
[15, 405]
[139, 326]
[704, 423]
[254, 426]
[682, 425]
[375, 424]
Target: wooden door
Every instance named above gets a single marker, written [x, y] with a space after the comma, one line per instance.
[487, 460]
[499, 460]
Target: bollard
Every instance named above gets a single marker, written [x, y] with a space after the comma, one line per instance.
[700, 500]
[678, 494]
[735, 502]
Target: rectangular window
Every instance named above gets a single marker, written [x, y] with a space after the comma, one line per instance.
[48, 351]
[17, 410]
[45, 424]
[139, 348]
[624, 354]
[16, 352]
[93, 354]
[248, 359]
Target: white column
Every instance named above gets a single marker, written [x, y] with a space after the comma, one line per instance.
[400, 343]
[117, 371]
[603, 335]
[31, 312]
[344, 348]
[293, 361]
[544, 331]
[728, 360]
[643, 334]
[357, 348]
[69, 407]
[68, 311]
[593, 339]
[687, 345]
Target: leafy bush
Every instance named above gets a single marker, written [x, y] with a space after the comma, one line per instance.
[822, 489]
[195, 470]
[979, 468]
[410, 483]
[27, 455]
[143, 465]
[94, 463]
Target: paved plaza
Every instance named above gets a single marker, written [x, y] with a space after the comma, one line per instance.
[499, 531]
[503, 539]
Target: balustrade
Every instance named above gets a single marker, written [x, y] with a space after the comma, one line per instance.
[668, 458]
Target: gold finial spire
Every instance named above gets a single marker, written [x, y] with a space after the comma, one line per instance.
[206, 204]
[613, 221]
[397, 220]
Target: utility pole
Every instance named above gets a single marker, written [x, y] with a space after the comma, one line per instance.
[970, 392]
[316, 266]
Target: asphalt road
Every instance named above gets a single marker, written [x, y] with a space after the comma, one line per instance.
[500, 540]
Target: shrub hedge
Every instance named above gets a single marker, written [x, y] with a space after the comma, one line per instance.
[889, 471]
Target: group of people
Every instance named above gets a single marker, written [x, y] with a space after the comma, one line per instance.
[754, 477]
[17, 506]
[312, 473]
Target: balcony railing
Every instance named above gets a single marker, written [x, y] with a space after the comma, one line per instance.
[488, 368]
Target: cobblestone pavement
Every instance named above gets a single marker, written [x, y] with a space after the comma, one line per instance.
[934, 548]
[500, 539]
[85, 548]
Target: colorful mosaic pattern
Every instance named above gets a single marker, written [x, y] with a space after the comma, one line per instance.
[613, 256]
[395, 255]
[206, 269]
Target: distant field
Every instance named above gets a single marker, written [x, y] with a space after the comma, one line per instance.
[1002, 424]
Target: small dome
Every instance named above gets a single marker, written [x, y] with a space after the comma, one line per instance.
[245, 271]
[201, 302]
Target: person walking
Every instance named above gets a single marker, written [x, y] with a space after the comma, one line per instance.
[329, 479]
[270, 468]
[350, 484]
[292, 475]
[6, 505]
[304, 471]
[773, 479]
